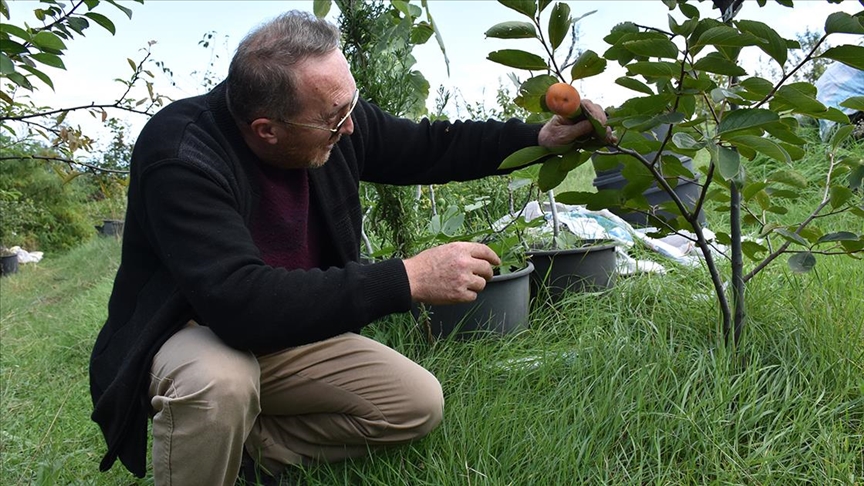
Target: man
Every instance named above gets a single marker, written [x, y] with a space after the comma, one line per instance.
[233, 313]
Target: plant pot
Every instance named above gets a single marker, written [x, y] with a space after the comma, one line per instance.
[586, 269]
[8, 264]
[111, 227]
[687, 189]
[501, 308]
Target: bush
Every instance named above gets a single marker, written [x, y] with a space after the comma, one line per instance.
[39, 211]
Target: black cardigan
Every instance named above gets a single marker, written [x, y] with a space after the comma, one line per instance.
[188, 254]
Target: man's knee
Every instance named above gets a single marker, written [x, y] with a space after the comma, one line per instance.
[425, 409]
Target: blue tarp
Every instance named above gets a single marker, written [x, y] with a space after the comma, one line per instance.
[838, 83]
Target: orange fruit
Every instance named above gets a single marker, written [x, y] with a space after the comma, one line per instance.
[563, 99]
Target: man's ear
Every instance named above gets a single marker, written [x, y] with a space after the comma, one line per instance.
[265, 130]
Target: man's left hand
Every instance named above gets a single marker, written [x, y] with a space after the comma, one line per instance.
[560, 131]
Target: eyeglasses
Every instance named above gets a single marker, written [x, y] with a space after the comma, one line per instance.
[335, 130]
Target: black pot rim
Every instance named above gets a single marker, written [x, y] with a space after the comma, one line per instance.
[599, 246]
[514, 275]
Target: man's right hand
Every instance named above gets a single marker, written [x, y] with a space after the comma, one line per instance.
[450, 273]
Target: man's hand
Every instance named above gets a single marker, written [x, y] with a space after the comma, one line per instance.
[560, 131]
[450, 273]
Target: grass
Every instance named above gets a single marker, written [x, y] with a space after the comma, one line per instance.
[635, 387]
[632, 387]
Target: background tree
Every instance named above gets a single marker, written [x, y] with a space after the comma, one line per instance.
[24, 53]
[378, 40]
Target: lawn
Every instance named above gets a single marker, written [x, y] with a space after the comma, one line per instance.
[631, 387]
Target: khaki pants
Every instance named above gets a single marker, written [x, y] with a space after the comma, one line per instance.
[324, 401]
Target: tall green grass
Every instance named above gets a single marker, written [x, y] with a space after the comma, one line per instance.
[630, 387]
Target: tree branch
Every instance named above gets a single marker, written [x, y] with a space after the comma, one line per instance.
[64, 160]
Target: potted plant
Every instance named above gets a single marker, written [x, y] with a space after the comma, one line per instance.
[8, 261]
[565, 262]
[113, 191]
[503, 306]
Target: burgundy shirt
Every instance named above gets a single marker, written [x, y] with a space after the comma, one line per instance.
[284, 226]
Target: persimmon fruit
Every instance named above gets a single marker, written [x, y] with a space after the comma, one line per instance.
[564, 100]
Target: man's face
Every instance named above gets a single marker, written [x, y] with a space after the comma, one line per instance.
[328, 93]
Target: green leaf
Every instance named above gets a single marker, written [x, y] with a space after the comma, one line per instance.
[421, 32]
[753, 249]
[20, 80]
[685, 141]
[321, 8]
[761, 145]
[855, 102]
[559, 24]
[715, 63]
[524, 157]
[48, 40]
[49, 60]
[795, 152]
[645, 105]
[744, 118]
[602, 199]
[728, 162]
[838, 236]
[587, 64]
[78, 24]
[839, 195]
[791, 236]
[781, 132]
[512, 30]
[643, 124]
[648, 69]
[525, 7]
[6, 65]
[620, 31]
[657, 47]
[843, 23]
[758, 86]
[532, 91]
[802, 262]
[39, 74]
[10, 47]
[849, 55]
[853, 246]
[104, 21]
[573, 159]
[518, 59]
[774, 45]
[750, 190]
[841, 135]
[123, 9]
[727, 37]
[550, 176]
[683, 29]
[798, 97]
[634, 84]
[832, 114]
[689, 11]
[788, 177]
[16, 31]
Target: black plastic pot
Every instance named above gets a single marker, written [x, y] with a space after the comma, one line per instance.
[8, 264]
[111, 227]
[587, 269]
[501, 308]
[687, 189]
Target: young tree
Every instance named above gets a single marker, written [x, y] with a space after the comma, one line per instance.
[688, 79]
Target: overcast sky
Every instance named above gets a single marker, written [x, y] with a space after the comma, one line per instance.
[178, 26]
